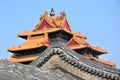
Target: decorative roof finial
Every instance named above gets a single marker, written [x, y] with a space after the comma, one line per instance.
[52, 13]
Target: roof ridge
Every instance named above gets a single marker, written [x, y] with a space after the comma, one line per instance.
[63, 51]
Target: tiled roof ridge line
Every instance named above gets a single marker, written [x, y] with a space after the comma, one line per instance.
[78, 65]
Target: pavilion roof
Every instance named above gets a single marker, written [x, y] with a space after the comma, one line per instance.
[38, 37]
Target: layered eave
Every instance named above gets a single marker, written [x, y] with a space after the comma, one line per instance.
[48, 25]
[23, 59]
[42, 41]
[79, 43]
[35, 43]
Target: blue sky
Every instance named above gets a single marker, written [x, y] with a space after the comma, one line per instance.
[99, 20]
